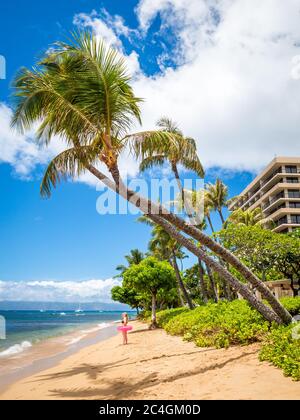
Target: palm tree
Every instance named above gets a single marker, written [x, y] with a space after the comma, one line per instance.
[217, 196]
[181, 151]
[135, 257]
[246, 217]
[163, 246]
[81, 92]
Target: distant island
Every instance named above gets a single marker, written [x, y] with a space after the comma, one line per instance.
[6, 305]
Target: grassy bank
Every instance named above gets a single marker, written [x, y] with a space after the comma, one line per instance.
[235, 323]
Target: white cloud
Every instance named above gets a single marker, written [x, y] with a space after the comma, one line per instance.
[233, 85]
[58, 291]
[22, 151]
[233, 91]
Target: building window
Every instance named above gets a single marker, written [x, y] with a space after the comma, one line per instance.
[281, 221]
[294, 205]
[292, 180]
[294, 194]
[295, 219]
[291, 169]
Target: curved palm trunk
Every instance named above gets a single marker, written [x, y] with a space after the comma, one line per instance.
[210, 223]
[221, 215]
[201, 282]
[186, 206]
[177, 286]
[149, 207]
[180, 282]
[264, 310]
[212, 283]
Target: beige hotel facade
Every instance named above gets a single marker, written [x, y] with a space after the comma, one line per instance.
[276, 190]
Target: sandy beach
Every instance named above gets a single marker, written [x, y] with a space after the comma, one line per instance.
[155, 365]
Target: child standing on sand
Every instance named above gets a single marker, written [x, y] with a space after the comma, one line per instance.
[123, 328]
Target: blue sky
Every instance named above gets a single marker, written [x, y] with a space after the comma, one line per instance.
[228, 75]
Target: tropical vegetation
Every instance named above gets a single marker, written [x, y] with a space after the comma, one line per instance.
[88, 83]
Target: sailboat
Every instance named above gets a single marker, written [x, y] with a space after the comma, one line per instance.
[79, 310]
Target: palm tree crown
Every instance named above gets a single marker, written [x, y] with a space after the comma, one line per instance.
[216, 196]
[81, 92]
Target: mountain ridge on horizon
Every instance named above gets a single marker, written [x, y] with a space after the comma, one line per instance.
[53, 306]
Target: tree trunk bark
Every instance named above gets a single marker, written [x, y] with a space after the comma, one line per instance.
[153, 324]
[180, 282]
[210, 224]
[264, 310]
[149, 207]
[177, 286]
[212, 283]
[201, 282]
[221, 216]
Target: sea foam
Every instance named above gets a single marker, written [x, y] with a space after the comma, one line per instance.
[16, 348]
[89, 331]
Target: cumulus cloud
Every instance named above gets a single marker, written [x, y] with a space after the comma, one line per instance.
[233, 90]
[58, 291]
[233, 83]
[22, 151]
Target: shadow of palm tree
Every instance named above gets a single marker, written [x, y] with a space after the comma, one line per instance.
[122, 389]
[91, 371]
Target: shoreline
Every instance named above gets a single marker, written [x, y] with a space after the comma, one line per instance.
[155, 365]
[49, 352]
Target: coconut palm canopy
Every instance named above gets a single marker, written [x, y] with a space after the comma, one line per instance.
[80, 91]
[180, 150]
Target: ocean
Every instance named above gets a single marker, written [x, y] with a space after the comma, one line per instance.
[26, 328]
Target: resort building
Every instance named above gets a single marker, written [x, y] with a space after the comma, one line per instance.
[276, 190]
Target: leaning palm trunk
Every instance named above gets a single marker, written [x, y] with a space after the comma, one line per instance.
[179, 292]
[210, 223]
[146, 206]
[188, 209]
[221, 216]
[149, 207]
[264, 310]
[212, 283]
[153, 324]
[180, 282]
[201, 282]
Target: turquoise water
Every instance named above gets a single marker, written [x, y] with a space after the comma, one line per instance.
[25, 328]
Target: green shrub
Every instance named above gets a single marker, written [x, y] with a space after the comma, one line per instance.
[282, 350]
[292, 304]
[229, 323]
[219, 325]
[163, 317]
[145, 315]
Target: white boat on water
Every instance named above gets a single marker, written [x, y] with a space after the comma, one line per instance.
[79, 310]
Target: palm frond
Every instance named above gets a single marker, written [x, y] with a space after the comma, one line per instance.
[150, 161]
[68, 164]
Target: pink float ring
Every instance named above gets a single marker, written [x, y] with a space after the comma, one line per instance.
[125, 328]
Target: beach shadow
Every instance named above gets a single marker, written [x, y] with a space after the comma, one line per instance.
[117, 389]
[121, 389]
[140, 331]
[91, 371]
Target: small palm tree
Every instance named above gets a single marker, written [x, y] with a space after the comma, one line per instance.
[246, 217]
[135, 257]
[163, 246]
[179, 150]
[216, 194]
